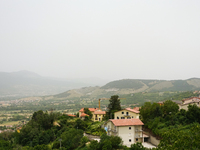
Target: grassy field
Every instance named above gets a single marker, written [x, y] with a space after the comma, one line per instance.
[6, 123]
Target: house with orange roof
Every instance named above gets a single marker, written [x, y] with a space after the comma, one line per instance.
[97, 114]
[127, 113]
[71, 115]
[82, 116]
[137, 108]
[130, 130]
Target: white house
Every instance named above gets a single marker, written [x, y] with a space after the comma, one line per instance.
[130, 130]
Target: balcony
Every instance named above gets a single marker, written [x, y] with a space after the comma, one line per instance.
[115, 131]
[138, 136]
[138, 130]
[127, 115]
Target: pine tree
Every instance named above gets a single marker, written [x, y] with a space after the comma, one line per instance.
[113, 106]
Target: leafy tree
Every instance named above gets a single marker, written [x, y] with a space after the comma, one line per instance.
[193, 113]
[41, 147]
[137, 146]
[80, 124]
[4, 145]
[94, 145]
[87, 118]
[170, 107]
[181, 115]
[71, 138]
[87, 111]
[84, 140]
[113, 106]
[175, 139]
[150, 111]
[77, 114]
[110, 142]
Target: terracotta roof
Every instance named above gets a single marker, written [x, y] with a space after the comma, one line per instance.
[136, 108]
[126, 122]
[83, 115]
[191, 98]
[145, 135]
[90, 109]
[132, 110]
[194, 101]
[99, 112]
[71, 115]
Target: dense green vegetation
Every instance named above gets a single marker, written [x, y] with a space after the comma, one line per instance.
[182, 95]
[123, 84]
[47, 131]
[172, 125]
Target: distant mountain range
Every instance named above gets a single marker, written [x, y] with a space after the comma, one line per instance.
[129, 86]
[25, 83]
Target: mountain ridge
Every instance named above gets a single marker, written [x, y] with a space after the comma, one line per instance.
[25, 83]
[130, 86]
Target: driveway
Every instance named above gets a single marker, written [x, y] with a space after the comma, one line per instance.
[148, 145]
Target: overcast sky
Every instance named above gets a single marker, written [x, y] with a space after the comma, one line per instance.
[118, 39]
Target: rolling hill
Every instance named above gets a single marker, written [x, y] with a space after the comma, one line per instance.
[26, 83]
[131, 86]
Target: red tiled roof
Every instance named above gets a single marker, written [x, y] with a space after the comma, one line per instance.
[132, 110]
[126, 122]
[136, 108]
[90, 109]
[99, 112]
[191, 98]
[83, 115]
[71, 115]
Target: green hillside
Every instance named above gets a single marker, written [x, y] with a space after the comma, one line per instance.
[124, 84]
[132, 86]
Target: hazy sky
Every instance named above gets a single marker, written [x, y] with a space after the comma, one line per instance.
[137, 39]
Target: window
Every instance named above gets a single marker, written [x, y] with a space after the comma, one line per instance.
[122, 112]
[129, 140]
[117, 117]
[128, 117]
[129, 128]
[122, 117]
[96, 115]
[127, 113]
[132, 117]
[136, 139]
